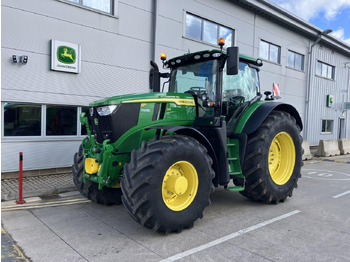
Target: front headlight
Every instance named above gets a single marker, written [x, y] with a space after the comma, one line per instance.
[106, 110]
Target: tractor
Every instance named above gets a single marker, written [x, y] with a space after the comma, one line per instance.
[162, 154]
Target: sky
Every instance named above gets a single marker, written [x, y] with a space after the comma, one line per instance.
[325, 14]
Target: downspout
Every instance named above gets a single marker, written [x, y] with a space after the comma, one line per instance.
[154, 29]
[308, 88]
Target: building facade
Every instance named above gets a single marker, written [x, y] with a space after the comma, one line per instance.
[114, 41]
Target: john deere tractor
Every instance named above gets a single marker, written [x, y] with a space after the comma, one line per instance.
[162, 154]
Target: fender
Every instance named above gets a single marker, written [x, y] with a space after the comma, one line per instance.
[194, 133]
[260, 114]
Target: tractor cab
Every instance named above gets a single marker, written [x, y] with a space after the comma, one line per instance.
[221, 84]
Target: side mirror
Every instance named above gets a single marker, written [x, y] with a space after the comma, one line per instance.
[232, 60]
[154, 78]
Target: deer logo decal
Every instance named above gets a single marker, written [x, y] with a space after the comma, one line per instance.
[66, 55]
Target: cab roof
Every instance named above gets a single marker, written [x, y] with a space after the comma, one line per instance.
[206, 55]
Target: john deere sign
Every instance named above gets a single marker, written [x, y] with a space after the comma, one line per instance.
[65, 56]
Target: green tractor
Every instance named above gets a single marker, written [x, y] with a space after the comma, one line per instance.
[162, 154]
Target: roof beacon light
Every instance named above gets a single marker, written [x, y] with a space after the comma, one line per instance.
[221, 42]
[163, 56]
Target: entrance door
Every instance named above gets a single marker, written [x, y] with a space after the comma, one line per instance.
[341, 128]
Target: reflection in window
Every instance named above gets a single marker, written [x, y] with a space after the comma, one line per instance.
[102, 5]
[22, 119]
[207, 31]
[193, 27]
[245, 84]
[270, 52]
[61, 120]
[295, 60]
[325, 70]
[200, 79]
[226, 33]
[210, 32]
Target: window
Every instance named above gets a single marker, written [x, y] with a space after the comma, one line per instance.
[270, 52]
[295, 60]
[22, 119]
[244, 85]
[327, 126]
[199, 78]
[28, 120]
[102, 5]
[61, 120]
[207, 31]
[325, 70]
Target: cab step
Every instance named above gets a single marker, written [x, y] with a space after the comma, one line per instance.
[235, 188]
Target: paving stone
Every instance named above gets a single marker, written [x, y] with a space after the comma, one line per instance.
[36, 186]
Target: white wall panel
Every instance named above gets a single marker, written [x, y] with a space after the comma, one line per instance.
[116, 51]
[38, 155]
[64, 12]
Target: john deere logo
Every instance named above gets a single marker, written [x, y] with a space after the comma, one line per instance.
[66, 55]
[96, 121]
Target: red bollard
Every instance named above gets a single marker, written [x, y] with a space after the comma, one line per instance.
[20, 200]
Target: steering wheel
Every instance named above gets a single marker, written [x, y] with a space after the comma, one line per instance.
[198, 90]
[230, 106]
[237, 99]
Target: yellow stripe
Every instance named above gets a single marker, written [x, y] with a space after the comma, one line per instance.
[19, 255]
[178, 101]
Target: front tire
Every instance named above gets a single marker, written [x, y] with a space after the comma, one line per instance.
[106, 196]
[273, 159]
[167, 183]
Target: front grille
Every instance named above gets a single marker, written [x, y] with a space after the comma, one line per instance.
[114, 126]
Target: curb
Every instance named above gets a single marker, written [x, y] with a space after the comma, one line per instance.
[336, 161]
[37, 186]
[35, 193]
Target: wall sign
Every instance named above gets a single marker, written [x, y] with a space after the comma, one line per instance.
[65, 56]
[330, 101]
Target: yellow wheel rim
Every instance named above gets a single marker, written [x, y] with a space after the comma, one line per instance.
[180, 185]
[281, 158]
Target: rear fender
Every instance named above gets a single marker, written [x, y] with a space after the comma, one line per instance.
[260, 114]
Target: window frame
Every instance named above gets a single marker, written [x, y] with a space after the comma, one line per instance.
[269, 52]
[219, 26]
[294, 56]
[43, 136]
[113, 7]
[60, 136]
[332, 126]
[3, 137]
[327, 67]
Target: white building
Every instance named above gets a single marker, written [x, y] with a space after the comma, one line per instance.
[118, 38]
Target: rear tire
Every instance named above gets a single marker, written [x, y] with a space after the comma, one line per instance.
[167, 183]
[106, 196]
[273, 159]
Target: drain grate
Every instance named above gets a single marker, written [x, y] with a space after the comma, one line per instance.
[50, 196]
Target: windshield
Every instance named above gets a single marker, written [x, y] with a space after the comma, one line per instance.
[244, 85]
[198, 77]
